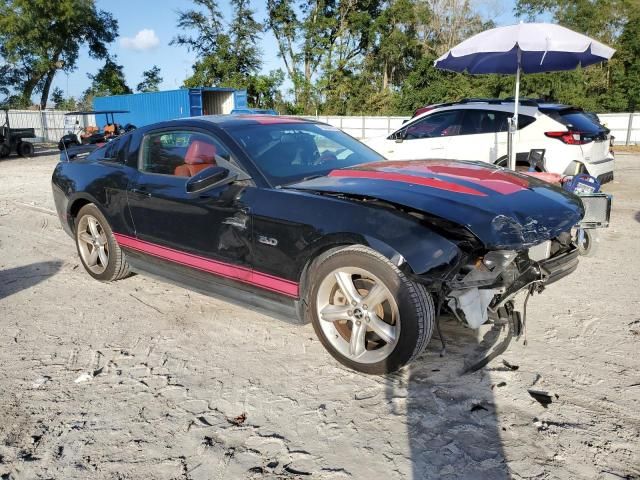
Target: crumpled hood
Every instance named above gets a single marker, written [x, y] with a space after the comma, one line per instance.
[505, 210]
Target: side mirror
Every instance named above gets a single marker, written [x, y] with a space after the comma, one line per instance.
[400, 135]
[208, 178]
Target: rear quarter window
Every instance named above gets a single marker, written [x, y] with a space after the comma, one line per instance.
[576, 120]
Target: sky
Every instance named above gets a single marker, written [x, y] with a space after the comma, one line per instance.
[147, 26]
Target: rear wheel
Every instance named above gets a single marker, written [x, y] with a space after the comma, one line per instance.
[99, 252]
[4, 150]
[520, 165]
[25, 149]
[367, 313]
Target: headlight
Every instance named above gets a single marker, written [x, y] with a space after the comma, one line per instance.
[498, 260]
[488, 268]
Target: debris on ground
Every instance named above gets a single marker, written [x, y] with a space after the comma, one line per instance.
[542, 397]
[239, 420]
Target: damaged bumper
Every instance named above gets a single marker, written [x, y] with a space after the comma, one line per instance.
[473, 304]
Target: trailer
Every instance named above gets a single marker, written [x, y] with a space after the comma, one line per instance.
[151, 107]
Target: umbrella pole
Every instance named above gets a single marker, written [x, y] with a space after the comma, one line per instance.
[514, 123]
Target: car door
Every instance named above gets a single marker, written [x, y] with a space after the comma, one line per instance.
[483, 136]
[423, 138]
[209, 231]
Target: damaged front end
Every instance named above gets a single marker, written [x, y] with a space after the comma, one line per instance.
[484, 289]
[496, 277]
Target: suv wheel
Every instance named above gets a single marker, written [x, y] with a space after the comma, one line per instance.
[367, 313]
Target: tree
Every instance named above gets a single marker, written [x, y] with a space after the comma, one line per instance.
[228, 58]
[612, 86]
[109, 80]
[629, 56]
[41, 37]
[208, 40]
[60, 102]
[244, 33]
[151, 80]
[57, 97]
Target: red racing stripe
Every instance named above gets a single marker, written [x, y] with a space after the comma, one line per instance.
[402, 178]
[226, 270]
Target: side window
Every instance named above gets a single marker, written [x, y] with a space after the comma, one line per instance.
[525, 121]
[479, 121]
[443, 124]
[181, 153]
[116, 150]
[490, 121]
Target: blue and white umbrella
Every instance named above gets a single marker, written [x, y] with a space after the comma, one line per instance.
[528, 48]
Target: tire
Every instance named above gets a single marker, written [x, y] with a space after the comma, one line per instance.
[108, 263]
[25, 149]
[587, 242]
[391, 332]
[5, 151]
[520, 166]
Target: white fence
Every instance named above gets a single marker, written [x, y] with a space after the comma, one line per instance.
[49, 124]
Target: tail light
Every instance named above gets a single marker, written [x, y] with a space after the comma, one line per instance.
[569, 137]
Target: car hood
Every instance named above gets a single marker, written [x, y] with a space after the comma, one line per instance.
[504, 209]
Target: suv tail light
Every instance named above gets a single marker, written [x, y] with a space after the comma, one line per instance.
[569, 137]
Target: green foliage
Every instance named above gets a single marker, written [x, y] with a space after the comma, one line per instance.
[613, 86]
[228, 57]
[151, 80]
[60, 102]
[108, 81]
[40, 37]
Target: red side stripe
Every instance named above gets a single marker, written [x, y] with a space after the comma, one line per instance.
[242, 274]
[402, 178]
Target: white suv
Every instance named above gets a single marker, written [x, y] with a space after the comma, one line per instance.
[476, 129]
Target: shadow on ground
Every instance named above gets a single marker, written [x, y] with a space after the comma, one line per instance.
[14, 280]
[452, 422]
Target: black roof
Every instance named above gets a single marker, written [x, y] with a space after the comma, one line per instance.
[248, 119]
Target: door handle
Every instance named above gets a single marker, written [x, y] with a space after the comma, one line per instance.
[140, 191]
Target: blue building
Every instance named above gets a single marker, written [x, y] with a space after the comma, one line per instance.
[146, 108]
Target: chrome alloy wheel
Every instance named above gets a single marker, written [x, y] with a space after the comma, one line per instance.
[92, 244]
[358, 315]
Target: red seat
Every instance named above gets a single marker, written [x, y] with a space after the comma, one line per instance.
[200, 155]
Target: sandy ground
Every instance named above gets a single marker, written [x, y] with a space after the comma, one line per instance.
[141, 379]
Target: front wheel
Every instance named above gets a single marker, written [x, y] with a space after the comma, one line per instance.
[367, 313]
[99, 252]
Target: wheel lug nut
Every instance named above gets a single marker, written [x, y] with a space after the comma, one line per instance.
[350, 313]
[358, 323]
[365, 306]
[354, 303]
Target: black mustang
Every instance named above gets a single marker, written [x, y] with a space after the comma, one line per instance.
[299, 217]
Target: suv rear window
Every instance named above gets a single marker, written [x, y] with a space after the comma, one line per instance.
[576, 119]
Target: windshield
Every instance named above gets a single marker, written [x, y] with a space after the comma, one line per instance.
[289, 152]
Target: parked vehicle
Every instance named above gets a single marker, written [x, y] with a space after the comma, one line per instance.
[476, 129]
[298, 217]
[12, 140]
[75, 134]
